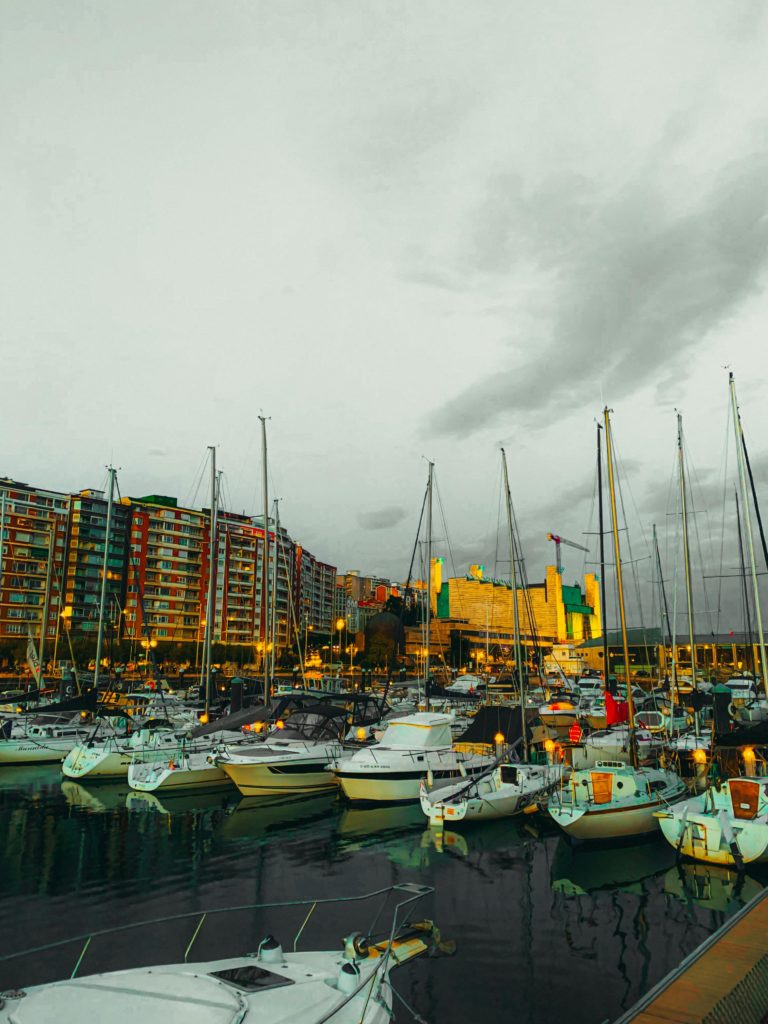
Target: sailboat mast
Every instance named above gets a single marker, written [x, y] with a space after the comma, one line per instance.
[211, 583]
[745, 592]
[273, 609]
[265, 559]
[603, 600]
[428, 619]
[748, 531]
[663, 608]
[46, 599]
[686, 547]
[520, 668]
[104, 572]
[619, 584]
[759, 518]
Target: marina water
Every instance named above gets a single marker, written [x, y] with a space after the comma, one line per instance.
[544, 931]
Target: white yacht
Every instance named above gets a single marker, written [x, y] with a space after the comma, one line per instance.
[506, 790]
[613, 799]
[725, 825]
[391, 770]
[295, 757]
[348, 985]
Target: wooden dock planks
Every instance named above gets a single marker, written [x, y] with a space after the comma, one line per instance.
[703, 983]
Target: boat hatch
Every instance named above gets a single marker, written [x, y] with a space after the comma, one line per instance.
[251, 978]
[602, 784]
[508, 773]
[745, 795]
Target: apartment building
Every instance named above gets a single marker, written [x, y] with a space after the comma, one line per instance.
[165, 579]
[33, 545]
[314, 587]
[85, 559]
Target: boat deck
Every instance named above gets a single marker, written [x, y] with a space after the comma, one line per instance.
[725, 979]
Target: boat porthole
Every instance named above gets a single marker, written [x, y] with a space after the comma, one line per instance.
[619, 785]
[584, 782]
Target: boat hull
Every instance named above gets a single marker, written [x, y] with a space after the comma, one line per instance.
[612, 823]
[287, 777]
[85, 763]
[701, 838]
[164, 778]
[29, 752]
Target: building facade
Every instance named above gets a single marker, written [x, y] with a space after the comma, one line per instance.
[85, 560]
[52, 560]
[33, 547]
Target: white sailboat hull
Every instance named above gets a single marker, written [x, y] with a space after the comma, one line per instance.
[613, 823]
[27, 751]
[490, 798]
[96, 763]
[169, 776]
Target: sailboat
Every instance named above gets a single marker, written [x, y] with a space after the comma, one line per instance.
[508, 788]
[728, 824]
[613, 799]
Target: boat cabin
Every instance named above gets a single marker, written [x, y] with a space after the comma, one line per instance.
[422, 731]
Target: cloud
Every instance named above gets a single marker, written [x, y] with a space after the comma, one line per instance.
[382, 518]
[157, 453]
[622, 286]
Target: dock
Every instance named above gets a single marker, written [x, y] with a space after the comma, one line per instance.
[724, 981]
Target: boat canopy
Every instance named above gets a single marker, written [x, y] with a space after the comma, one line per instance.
[316, 722]
[419, 731]
[495, 719]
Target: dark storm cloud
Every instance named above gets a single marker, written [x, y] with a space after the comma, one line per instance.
[382, 518]
[634, 281]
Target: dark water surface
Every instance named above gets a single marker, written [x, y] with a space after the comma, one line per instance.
[544, 931]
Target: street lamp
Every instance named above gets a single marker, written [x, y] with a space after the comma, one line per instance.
[340, 623]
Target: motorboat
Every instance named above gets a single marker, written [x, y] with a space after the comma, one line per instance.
[391, 770]
[293, 759]
[347, 985]
[506, 790]
[726, 824]
[468, 684]
[559, 714]
[613, 799]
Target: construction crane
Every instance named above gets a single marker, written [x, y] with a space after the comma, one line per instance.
[562, 540]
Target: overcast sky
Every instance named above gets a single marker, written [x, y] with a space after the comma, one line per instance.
[400, 229]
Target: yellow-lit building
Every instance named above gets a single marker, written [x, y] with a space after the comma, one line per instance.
[473, 616]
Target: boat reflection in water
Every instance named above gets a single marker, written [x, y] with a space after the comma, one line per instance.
[711, 886]
[178, 803]
[578, 870]
[96, 800]
[258, 817]
[41, 780]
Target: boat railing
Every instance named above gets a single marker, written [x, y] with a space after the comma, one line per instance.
[409, 893]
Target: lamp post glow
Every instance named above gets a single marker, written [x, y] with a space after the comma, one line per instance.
[340, 624]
